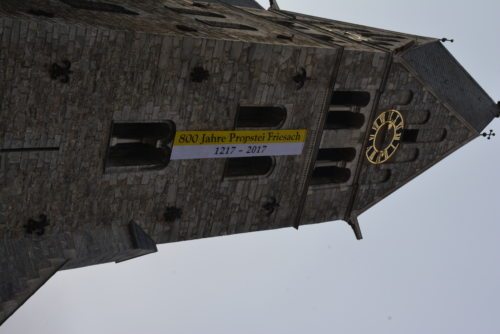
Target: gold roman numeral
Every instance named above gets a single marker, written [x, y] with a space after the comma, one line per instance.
[371, 153]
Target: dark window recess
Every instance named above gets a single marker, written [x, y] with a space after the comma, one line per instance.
[284, 23]
[260, 117]
[199, 74]
[226, 25]
[344, 120]
[358, 99]
[330, 175]
[432, 135]
[98, 6]
[296, 26]
[39, 12]
[387, 39]
[409, 136]
[252, 166]
[287, 37]
[336, 154]
[324, 38]
[361, 31]
[140, 144]
[185, 28]
[200, 4]
[401, 98]
[406, 155]
[418, 117]
[380, 176]
[383, 44]
[189, 11]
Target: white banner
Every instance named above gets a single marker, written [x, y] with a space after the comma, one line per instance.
[235, 151]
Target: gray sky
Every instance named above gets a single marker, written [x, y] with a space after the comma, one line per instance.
[429, 263]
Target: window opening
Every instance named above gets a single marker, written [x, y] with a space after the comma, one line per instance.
[324, 38]
[344, 120]
[185, 28]
[347, 98]
[406, 155]
[39, 12]
[432, 135]
[402, 98]
[336, 154]
[383, 44]
[330, 175]
[189, 11]
[296, 26]
[98, 6]
[248, 166]
[387, 39]
[200, 4]
[140, 144]
[382, 176]
[409, 136]
[287, 37]
[260, 116]
[418, 117]
[226, 25]
[284, 23]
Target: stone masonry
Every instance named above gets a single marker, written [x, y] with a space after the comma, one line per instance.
[70, 69]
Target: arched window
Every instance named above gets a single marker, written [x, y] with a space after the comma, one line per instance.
[432, 135]
[185, 28]
[248, 166]
[382, 44]
[387, 39]
[140, 144]
[381, 176]
[260, 116]
[98, 6]
[348, 98]
[189, 11]
[344, 120]
[226, 25]
[402, 97]
[417, 116]
[330, 175]
[336, 154]
[39, 12]
[324, 38]
[409, 136]
[406, 154]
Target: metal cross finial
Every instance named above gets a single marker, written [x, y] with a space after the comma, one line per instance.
[488, 135]
[444, 39]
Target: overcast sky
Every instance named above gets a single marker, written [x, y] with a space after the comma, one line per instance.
[429, 263]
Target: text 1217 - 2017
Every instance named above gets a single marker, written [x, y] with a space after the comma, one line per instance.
[249, 149]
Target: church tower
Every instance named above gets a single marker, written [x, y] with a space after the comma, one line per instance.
[125, 124]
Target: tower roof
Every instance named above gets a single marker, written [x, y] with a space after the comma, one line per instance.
[442, 74]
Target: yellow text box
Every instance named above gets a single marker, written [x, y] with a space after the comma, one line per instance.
[190, 138]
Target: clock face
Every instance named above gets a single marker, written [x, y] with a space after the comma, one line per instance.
[385, 136]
